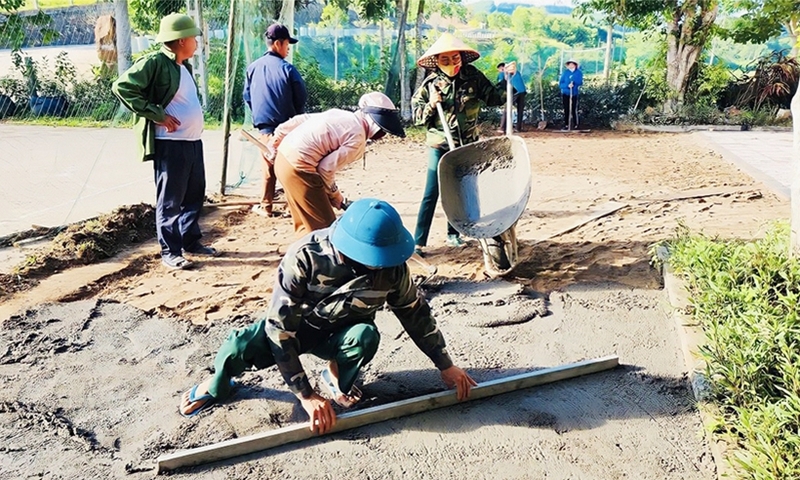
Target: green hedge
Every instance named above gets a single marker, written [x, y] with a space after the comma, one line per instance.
[746, 295]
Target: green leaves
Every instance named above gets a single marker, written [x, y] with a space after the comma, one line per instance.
[745, 294]
[757, 21]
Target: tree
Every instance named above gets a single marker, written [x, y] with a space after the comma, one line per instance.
[397, 71]
[685, 24]
[123, 35]
[334, 17]
[146, 15]
[760, 20]
[14, 27]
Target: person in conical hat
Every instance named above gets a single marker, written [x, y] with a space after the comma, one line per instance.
[461, 89]
[569, 84]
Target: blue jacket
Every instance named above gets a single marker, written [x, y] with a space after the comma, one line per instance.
[516, 82]
[274, 91]
[575, 77]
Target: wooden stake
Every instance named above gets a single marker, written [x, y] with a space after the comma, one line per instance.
[296, 433]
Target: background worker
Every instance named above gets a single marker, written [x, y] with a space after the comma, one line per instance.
[461, 89]
[328, 287]
[275, 92]
[309, 149]
[569, 83]
[520, 92]
[161, 92]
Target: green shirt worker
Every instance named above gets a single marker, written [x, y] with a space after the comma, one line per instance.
[161, 92]
[329, 285]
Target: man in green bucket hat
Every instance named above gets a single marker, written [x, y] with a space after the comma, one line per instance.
[161, 91]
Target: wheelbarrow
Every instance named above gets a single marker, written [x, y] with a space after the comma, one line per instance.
[485, 187]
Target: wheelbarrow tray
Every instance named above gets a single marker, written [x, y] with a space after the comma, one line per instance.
[485, 186]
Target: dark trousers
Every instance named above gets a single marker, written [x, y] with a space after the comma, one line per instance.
[351, 348]
[566, 102]
[519, 102]
[180, 190]
[429, 199]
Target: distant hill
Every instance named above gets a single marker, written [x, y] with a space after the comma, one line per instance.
[553, 7]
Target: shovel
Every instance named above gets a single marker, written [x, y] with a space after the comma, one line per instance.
[485, 187]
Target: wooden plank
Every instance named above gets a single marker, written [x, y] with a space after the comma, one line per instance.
[296, 433]
[697, 193]
[255, 141]
[612, 207]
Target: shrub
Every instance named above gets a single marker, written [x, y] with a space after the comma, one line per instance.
[746, 295]
[325, 93]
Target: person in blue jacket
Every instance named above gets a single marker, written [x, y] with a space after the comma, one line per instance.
[569, 83]
[275, 92]
[519, 95]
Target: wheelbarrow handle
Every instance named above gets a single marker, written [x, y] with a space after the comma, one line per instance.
[509, 113]
[447, 133]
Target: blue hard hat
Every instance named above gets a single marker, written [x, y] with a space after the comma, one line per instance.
[371, 232]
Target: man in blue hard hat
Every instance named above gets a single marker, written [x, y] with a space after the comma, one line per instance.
[329, 285]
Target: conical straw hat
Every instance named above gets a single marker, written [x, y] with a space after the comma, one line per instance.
[448, 43]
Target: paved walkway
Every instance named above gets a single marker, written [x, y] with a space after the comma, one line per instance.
[765, 156]
[52, 176]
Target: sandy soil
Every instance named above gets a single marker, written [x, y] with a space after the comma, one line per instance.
[90, 388]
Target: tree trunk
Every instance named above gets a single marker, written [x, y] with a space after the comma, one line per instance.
[123, 35]
[380, 51]
[609, 50]
[687, 33]
[398, 76]
[680, 60]
[420, 21]
[795, 222]
[405, 90]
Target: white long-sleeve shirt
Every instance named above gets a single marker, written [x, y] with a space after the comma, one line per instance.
[325, 142]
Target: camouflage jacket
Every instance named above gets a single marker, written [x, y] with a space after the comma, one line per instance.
[461, 100]
[317, 293]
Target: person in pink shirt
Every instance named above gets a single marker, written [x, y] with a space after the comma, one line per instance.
[309, 149]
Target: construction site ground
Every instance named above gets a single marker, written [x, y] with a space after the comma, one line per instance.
[93, 359]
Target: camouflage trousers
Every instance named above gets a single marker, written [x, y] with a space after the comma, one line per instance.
[247, 348]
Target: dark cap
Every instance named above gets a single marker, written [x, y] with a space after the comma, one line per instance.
[276, 31]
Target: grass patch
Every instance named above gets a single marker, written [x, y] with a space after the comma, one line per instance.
[746, 296]
[45, 4]
[83, 243]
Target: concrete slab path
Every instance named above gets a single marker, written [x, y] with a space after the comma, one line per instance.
[53, 176]
[765, 156]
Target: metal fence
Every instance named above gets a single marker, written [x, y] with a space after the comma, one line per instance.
[68, 76]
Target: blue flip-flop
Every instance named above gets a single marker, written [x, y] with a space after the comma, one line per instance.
[208, 398]
[210, 401]
[335, 392]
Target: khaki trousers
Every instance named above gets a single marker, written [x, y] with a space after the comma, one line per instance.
[268, 179]
[306, 197]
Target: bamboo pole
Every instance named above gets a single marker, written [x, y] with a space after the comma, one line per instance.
[226, 110]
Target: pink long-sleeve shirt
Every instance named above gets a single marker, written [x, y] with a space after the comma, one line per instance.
[324, 142]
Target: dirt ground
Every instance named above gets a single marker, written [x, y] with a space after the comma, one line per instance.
[91, 386]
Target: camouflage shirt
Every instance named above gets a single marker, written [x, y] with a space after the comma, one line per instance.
[461, 100]
[317, 292]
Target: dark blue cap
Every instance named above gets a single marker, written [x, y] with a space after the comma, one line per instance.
[276, 31]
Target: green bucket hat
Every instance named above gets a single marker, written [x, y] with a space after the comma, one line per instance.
[175, 27]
